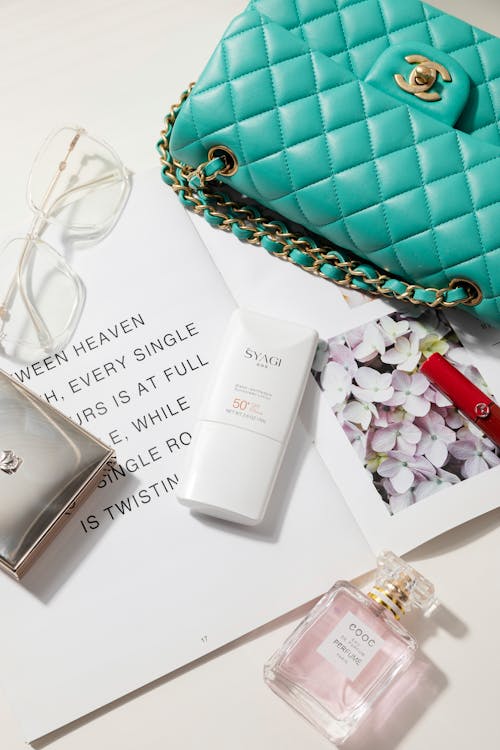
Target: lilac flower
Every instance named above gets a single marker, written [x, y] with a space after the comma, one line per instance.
[372, 386]
[373, 461]
[371, 344]
[388, 415]
[452, 417]
[476, 453]
[359, 413]
[468, 429]
[436, 437]
[436, 397]
[401, 470]
[384, 416]
[402, 435]
[442, 480]
[392, 329]
[432, 343]
[336, 383]
[408, 392]
[352, 338]
[398, 502]
[341, 354]
[357, 439]
[405, 353]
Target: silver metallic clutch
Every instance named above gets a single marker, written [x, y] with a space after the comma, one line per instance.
[48, 465]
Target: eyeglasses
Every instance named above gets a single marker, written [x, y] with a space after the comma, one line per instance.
[80, 184]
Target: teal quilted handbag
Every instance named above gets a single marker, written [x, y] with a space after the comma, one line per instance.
[371, 124]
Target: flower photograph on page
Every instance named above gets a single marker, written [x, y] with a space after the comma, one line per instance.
[408, 436]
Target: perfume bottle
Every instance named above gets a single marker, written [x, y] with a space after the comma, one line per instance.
[350, 648]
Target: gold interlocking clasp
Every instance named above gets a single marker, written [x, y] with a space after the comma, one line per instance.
[422, 78]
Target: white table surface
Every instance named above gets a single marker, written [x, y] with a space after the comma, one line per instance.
[115, 66]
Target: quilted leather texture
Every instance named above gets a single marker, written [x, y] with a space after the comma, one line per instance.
[355, 33]
[411, 194]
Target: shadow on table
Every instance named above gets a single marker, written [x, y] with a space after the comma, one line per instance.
[404, 704]
[413, 693]
[401, 707]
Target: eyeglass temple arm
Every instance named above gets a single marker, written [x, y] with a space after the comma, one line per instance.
[98, 181]
[37, 227]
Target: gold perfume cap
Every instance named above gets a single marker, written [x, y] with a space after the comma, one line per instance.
[399, 587]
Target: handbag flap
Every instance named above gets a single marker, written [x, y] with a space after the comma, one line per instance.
[355, 33]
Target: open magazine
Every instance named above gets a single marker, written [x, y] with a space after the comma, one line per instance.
[408, 464]
[136, 586]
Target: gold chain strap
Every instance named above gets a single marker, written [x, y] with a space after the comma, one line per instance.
[249, 224]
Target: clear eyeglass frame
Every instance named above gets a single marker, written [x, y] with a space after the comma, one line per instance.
[77, 188]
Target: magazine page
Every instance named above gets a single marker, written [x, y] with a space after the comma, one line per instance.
[135, 585]
[407, 463]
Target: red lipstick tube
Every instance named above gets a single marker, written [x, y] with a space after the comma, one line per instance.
[467, 397]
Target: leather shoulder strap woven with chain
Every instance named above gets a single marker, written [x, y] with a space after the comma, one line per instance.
[199, 191]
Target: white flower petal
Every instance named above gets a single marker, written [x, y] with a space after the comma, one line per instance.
[491, 458]
[384, 440]
[367, 377]
[418, 328]
[403, 345]
[432, 394]
[358, 413]
[445, 434]
[417, 405]
[419, 384]
[403, 480]
[385, 380]
[453, 418]
[341, 354]
[447, 477]
[463, 449]
[425, 489]
[371, 396]
[410, 363]
[405, 447]
[385, 396]
[424, 444]
[410, 432]
[437, 453]
[362, 394]
[389, 467]
[357, 439]
[401, 381]
[364, 353]
[393, 357]
[400, 502]
[336, 383]
[373, 334]
[354, 337]
[423, 465]
[473, 466]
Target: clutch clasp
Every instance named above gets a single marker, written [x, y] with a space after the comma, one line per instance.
[9, 462]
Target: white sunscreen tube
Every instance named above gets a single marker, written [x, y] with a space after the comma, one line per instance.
[247, 417]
